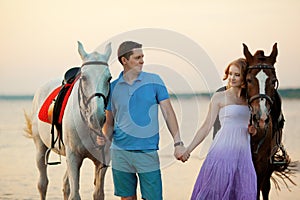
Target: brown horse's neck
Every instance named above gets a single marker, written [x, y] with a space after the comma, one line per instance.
[277, 116]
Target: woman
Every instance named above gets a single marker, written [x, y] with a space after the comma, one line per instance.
[227, 172]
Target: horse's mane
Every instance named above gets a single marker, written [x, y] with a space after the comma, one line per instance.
[285, 171]
[260, 55]
[276, 113]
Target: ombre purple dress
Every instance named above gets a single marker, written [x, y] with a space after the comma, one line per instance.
[228, 172]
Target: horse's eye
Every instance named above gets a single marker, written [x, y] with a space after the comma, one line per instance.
[249, 81]
[83, 78]
[275, 83]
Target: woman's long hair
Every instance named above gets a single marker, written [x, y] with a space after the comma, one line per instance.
[242, 64]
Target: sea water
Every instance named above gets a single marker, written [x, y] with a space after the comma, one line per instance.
[19, 173]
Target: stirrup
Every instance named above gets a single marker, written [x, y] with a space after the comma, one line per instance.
[47, 158]
[280, 158]
[279, 163]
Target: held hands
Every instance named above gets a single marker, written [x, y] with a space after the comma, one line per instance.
[185, 156]
[181, 153]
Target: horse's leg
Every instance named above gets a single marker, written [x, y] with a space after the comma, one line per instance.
[42, 167]
[258, 191]
[259, 176]
[100, 170]
[266, 189]
[266, 185]
[66, 186]
[74, 163]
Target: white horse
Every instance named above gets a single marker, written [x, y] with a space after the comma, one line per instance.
[83, 119]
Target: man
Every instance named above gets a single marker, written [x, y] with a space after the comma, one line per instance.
[132, 124]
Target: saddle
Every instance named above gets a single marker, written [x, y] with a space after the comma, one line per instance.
[53, 108]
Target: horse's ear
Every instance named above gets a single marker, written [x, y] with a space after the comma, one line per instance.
[107, 51]
[274, 53]
[247, 53]
[81, 51]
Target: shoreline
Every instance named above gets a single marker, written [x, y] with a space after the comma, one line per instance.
[289, 93]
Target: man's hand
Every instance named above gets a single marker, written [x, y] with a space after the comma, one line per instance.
[100, 140]
[179, 151]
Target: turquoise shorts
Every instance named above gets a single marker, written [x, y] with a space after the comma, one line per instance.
[129, 166]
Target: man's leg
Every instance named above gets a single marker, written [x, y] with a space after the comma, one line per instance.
[148, 167]
[151, 185]
[129, 198]
[124, 177]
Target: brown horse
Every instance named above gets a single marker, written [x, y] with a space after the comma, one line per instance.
[268, 153]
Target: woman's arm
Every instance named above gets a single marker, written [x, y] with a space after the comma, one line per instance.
[205, 128]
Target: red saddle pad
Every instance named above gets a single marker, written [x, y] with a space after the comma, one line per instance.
[43, 114]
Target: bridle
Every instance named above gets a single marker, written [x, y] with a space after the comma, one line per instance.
[86, 100]
[97, 94]
[282, 158]
[260, 96]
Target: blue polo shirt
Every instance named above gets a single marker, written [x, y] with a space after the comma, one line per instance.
[135, 111]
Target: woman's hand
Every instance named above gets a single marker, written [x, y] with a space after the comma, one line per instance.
[185, 156]
[252, 130]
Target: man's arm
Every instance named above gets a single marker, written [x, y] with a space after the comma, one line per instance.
[107, 130]
[108, 127]
[172, 124]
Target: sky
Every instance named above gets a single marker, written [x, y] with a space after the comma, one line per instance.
[39, 38]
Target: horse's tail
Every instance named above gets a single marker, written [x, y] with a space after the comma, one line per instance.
[285, 176]
[284, 169]
[28, 128]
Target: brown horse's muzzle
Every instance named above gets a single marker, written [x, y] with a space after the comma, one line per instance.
[261, 119]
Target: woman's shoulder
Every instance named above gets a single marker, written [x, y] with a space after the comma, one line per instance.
[219, 95]
[218, 98]
[221, 98]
